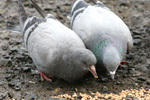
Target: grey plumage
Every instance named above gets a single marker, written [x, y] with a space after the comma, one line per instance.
[41, 12]
[22, 15]
[103, 32]
[55, 49]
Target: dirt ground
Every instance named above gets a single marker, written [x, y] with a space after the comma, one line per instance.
[19, 78]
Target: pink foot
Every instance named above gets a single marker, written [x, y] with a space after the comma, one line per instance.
[46, 77]
[122, 62]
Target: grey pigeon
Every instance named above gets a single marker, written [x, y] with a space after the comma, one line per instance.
[55, 49]
[103, 32]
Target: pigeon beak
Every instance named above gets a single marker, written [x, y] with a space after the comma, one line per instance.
[93, 71]
[112, 75]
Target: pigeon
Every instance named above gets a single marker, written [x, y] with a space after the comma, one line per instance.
[56, 50]
[103, 32]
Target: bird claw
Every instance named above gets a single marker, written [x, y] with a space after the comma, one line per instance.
[122, 62]
[46, 77]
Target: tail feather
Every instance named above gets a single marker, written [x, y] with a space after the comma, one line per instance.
[22, 15]
[78, 5]
[41, 12]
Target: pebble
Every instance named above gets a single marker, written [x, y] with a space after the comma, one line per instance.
[62, 10]
[104, 80]
[34, 72]
[104, 88]
[6, 56]
[17, 88]
[2, 96]
[148, 82]
[135, 98]
[136, 73]
[11, 84]
[13, 50]
[119, 83]
[5, 47]
[129, 56]
[48, 9]
[7, 76]
[8, 63]
[27, 69]
[1, 83]
[137, 32]
[142, 78]
[57, 98]
[10, 94]
[136, 41]
[34, 96]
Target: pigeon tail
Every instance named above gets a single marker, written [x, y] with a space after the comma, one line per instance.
[41, 12]
[22, 15]
[78, 5]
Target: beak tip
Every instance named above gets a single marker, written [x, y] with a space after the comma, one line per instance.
[112, 76]
[93, 71]
[95, 76]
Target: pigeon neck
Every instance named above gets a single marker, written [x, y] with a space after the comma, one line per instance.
[99, 46]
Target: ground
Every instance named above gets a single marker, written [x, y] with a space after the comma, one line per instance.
[19, 78]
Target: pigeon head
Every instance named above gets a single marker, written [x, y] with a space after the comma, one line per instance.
[85, 59]
[82, 61]
[111, 60]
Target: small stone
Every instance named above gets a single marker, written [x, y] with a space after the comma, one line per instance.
[136, 73]
[6, 56]
[8, 63]
[8, 76]
[34, 96]
[11, 84]
[2, 96]
[57, 98]
[135, 98]
[129, 56]
[5, 47]
[142, 78]
[10, 94]
[26, 69]
[148, 82]
[62, 10]
[1, 83]
[136, 41]
[104, 79]
[118, 83]
[34, 72]
[137, 32]
[105, 89]
[13, 50]
[47, 9]
[128, 97]
[17, 88]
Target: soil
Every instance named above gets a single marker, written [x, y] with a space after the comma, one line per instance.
[20, 79]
